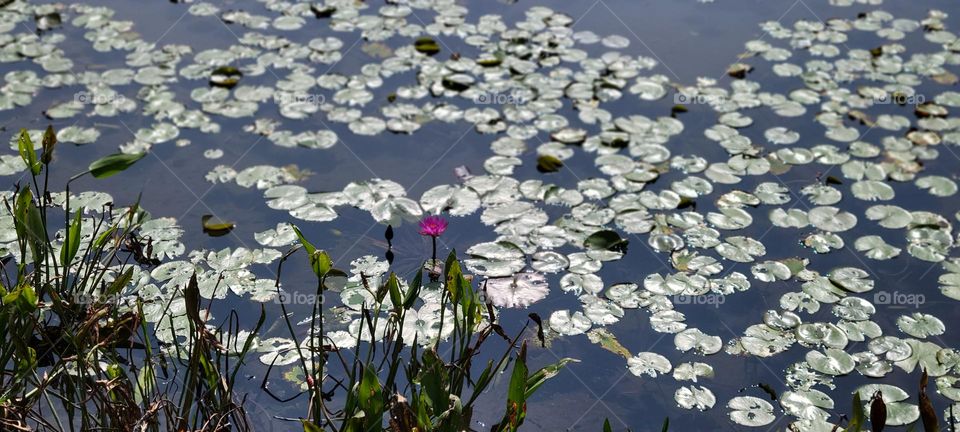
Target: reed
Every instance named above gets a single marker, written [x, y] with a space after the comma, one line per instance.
[76, 353]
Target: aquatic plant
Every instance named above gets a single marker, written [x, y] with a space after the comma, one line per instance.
[433, 227]
[400, 379]
[76, 351]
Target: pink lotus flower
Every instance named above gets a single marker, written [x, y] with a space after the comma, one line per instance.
[433, 226]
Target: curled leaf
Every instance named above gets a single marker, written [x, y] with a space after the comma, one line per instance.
[216, 227]
[548, 164]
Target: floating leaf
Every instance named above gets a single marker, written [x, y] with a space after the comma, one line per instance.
[548, 164]
[519, 290]
[750, 411]
[648, 363]
[216, 227]
[609, 342]
[606, 240]
[225, 77]
[739, 70]
[426, 45]
[565, 323]
[691, 397]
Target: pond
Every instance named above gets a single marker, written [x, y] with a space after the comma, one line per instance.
[736, 214]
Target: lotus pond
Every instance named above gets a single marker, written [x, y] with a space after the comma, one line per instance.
[735, 214]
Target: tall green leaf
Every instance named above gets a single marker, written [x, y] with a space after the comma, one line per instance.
[319, 260]
[72, 242]
[125, 279]
[857, 417]
[414, 290]
[303, 240]
[113, 164]
[370, 397]
[541, 376]
[309, 426]
[29, 224]
[433, 380]
[516, 395]
[396, 296]
[27, 152]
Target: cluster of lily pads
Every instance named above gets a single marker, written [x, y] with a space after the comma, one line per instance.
[885, 114]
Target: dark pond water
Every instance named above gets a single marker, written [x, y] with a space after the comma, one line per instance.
[689, 39]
